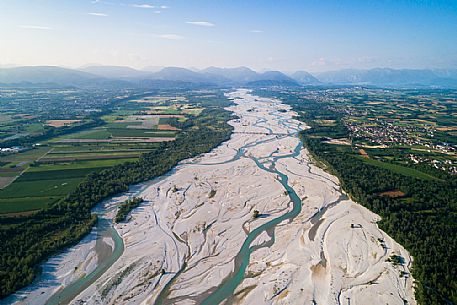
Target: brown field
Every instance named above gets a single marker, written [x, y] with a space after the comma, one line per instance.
[166, 127]
[61, 123]
[342, 141]
[364, 153]
[5, 181]
[375, 146]
[425, 121]
[325, 122]
[448, 128]
[27, 116]
[193, 111]
[392, 194]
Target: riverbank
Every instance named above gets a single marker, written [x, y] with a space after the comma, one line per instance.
[64, 275]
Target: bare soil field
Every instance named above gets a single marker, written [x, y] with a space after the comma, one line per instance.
[339, 141]
[166, 127]
[392, 194]
[5, 181]
[364, 153]
[61, 123]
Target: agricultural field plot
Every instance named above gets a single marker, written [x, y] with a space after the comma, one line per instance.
[41, 176]
[61, 123]
[46, 184]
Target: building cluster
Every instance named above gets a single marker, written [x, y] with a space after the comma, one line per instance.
[12, 150]
[387, 133]
[449, 166]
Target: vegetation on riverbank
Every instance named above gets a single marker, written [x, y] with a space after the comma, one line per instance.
[126, 207]
[423, 219]
[27, 240]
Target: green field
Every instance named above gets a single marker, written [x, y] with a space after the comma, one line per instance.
[80, 164]
[39, 188]
[24, 204]
[57, 174]
[41, 185]
[398, 169]
[141, 133]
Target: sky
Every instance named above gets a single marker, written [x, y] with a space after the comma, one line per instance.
[286, 35]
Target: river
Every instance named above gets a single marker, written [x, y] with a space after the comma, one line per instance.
[186, 246]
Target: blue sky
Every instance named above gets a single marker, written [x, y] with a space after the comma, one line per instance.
[314, 35]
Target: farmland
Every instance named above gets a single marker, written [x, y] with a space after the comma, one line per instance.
[37, 174]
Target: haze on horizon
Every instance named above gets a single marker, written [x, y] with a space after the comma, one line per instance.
[284, 35]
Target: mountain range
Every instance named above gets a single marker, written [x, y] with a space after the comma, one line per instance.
[120, 77]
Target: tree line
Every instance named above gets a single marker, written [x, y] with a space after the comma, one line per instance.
[126, 207]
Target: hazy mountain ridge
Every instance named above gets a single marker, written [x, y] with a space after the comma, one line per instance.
[119, 76]
[43, 74]
[391, 77]
[114, 71]
[305, 78]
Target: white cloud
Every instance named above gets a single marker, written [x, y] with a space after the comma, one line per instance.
[143, 6]
[164, 7]
[170, 36]
[34, 27]
[157, 12]
[321, 61]
[105, 2]
[256, 31]
[201, 23]
[98, 14]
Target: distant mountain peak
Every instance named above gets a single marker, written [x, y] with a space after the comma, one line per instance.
[305, 78]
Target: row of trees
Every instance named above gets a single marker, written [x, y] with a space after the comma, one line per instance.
[126, 207]
[26, 241]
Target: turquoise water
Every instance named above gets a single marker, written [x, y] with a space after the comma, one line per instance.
[227, 288]
[104, 228]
